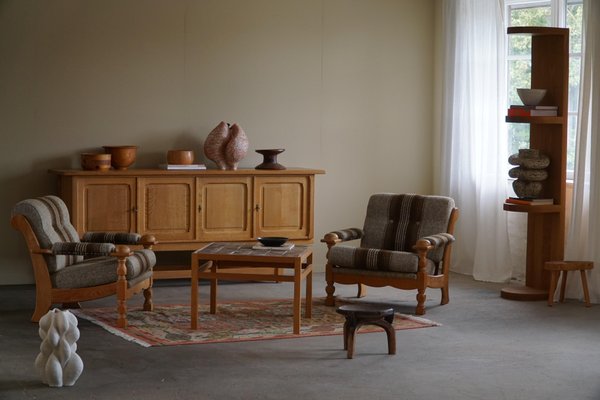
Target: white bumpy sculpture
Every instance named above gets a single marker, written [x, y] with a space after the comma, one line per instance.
[58, 363]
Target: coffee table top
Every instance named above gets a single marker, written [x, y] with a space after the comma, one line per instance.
[237, 250]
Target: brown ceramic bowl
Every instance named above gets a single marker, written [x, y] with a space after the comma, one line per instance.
[183, 157]
[121, 156]
[272, 241]
[95, 161]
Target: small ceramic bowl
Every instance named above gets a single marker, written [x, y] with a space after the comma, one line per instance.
[122, 157]
[95, 161]
[531, 97]
[272, 241]
[183, 157]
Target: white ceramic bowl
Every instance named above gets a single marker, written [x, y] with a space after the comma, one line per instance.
[531, 97]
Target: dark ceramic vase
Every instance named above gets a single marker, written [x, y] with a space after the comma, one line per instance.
[270, 159]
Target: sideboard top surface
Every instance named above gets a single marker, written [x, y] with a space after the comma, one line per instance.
[201, 172]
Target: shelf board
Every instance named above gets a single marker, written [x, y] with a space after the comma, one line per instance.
[543, 208]
[536, 120]
[537, 30]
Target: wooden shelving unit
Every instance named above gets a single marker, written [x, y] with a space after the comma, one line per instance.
[545, 224]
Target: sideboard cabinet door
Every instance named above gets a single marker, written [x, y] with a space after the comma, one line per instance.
[105, 205]
[283, 206]
[167, 208]
[225, 208]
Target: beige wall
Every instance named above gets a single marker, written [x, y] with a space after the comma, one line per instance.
[342, 85]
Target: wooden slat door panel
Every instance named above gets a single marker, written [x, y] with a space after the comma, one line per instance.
[225, 207]
[282, 206]
[167, 208]
[105, 205]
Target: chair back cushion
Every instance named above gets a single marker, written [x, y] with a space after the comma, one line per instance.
[49, 219]
[397, 221]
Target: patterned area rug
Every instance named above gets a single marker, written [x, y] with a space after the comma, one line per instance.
[235, 321]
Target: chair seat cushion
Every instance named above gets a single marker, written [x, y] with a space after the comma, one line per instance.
[102, 270]
[361, 258]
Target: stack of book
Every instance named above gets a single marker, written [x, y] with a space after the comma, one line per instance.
[527, 201]
[532, 111]
[182, 166]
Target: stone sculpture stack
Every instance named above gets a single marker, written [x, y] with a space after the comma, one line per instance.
[529, 173]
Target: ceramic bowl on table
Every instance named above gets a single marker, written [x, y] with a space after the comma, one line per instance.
[531, 97]
[272, 241]
[180, 157]
[122, 157]
[95, 161]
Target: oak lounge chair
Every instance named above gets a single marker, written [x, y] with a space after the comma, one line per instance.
[405, 243]
[68, 270]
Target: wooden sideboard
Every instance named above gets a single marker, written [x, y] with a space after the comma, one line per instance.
[185, 209]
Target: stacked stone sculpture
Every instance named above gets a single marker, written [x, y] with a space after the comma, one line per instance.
[226, 145]
[530, 173]
[58, 363]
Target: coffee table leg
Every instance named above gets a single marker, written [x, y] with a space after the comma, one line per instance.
[213, 290]
[194, 291]
[297, 298]
[308, 299]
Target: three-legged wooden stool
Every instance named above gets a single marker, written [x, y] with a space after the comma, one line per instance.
[365, 314]
[556, 267]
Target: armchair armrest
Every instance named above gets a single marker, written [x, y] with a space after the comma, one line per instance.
[439, 239]
[111, 237]
[120, 238]
[148, 241]
[343, 235]
[83, 249]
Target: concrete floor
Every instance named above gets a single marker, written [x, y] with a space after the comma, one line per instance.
[487, 348]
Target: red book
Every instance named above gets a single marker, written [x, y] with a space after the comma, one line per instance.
[529, 202]
[524, 112]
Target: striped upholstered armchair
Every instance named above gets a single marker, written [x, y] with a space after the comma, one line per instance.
[68, 270]
[405, 243]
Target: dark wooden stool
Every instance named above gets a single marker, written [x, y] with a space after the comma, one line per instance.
[556, 267]
[366, 314]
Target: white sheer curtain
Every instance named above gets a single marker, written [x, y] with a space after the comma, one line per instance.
[583, 237]
[473, 135]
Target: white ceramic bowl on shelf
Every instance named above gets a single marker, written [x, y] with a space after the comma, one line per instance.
[531, 97]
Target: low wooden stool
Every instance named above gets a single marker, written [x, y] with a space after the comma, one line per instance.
[365, 314]
[556, 267]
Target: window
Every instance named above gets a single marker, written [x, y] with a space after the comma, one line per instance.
[562, 13]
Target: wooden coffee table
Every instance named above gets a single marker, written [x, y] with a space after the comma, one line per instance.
[216, 261]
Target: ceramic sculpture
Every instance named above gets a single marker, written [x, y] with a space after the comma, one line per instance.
[226, 145]
[214, 145]
[58, 363]
[270, 159]
[236, 148]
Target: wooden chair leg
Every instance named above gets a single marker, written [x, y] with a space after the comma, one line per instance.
[390, 332]
[563, 286]
[121, 290]
[445, 295]
[350, 341]
[362, 290]
[148, 304]
[346, 325]
[552, 288]
[421, 297]
[42, 306]
[586, 292]
[330, 288]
